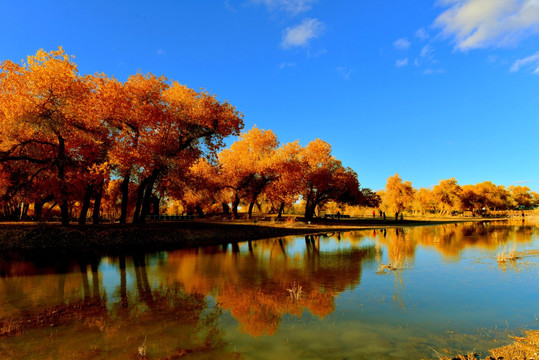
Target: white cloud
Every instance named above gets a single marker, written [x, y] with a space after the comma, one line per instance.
[427, 52]
[422, 34]
[346, 72]
[287, 65]
[401, 62]
[301, 34]
[161, 52]
[530, 61]
[488, 23]
[292, 7]
[229, 6]
[401, 44]
[433, 71]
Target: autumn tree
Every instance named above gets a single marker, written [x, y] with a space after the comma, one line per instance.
[247, 167]
[370, 198]
[161, 127]
[47, 120]
[424, 200]
[520, 196]
[187, 124]
[448, 195]
[398, 195]
[200, 188]
[325, 179]
[288, 169]
[491, 196]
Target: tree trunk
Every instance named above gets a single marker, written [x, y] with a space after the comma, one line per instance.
[124, 188]
[24, 210]
[85, 204]
[235, 205]
[155, 205]
[147, 195]
[64, 207]
[98, 195]
[140, 196]
[251, 205]
[38, 210]
[199, 211]
[226, 208]
[281, 209]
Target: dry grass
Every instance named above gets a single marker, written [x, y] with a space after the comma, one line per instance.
[524, 348]
[295, 292]
[505, 256]
[382, 268]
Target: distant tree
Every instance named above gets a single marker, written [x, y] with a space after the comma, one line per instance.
[424, 201]
[520, 196]
[447, 194]
[325, 179]
[370, 198]
[398, 195]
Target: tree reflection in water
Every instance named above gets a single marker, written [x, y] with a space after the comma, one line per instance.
[105, 307]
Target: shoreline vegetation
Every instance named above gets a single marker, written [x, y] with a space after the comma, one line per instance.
[523, 347]
[28, 237]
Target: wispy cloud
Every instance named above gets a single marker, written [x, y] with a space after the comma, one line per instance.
[229, 6]
[422, 34]
[160, 52]
[401, 62]
[488, 23]
[427, 52]
[287, 65]
[402, 44]
[530, 61]
[433, 71]
[346, 72]
[293, 7]
[301, 34]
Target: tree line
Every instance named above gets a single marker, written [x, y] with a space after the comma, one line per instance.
[90, 143]
[448, 197]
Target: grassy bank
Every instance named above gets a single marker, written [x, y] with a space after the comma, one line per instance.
[29, 237]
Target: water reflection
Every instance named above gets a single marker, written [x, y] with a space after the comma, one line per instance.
[253, 281]
[173, 304]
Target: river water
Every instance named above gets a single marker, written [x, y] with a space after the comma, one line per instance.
[441, 292]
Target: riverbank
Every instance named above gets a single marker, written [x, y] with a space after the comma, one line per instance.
[526, 347]
[154, 236]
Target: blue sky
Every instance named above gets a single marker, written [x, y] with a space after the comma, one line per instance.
[429, 89]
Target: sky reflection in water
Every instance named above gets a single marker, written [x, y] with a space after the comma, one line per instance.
[295, 297]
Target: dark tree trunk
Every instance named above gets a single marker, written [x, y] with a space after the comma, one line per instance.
[147, 195]
[140, 196]
[199, 211]
[309, 211]
[124, 188]
[98, 195]
[64, 207]
[235, 205]
[281, 209]
[85, 204]
[251, 205]
[38, 210]
[155, 205]
[38, 207]
[226, 208]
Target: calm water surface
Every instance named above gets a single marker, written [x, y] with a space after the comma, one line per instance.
[315, 297]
